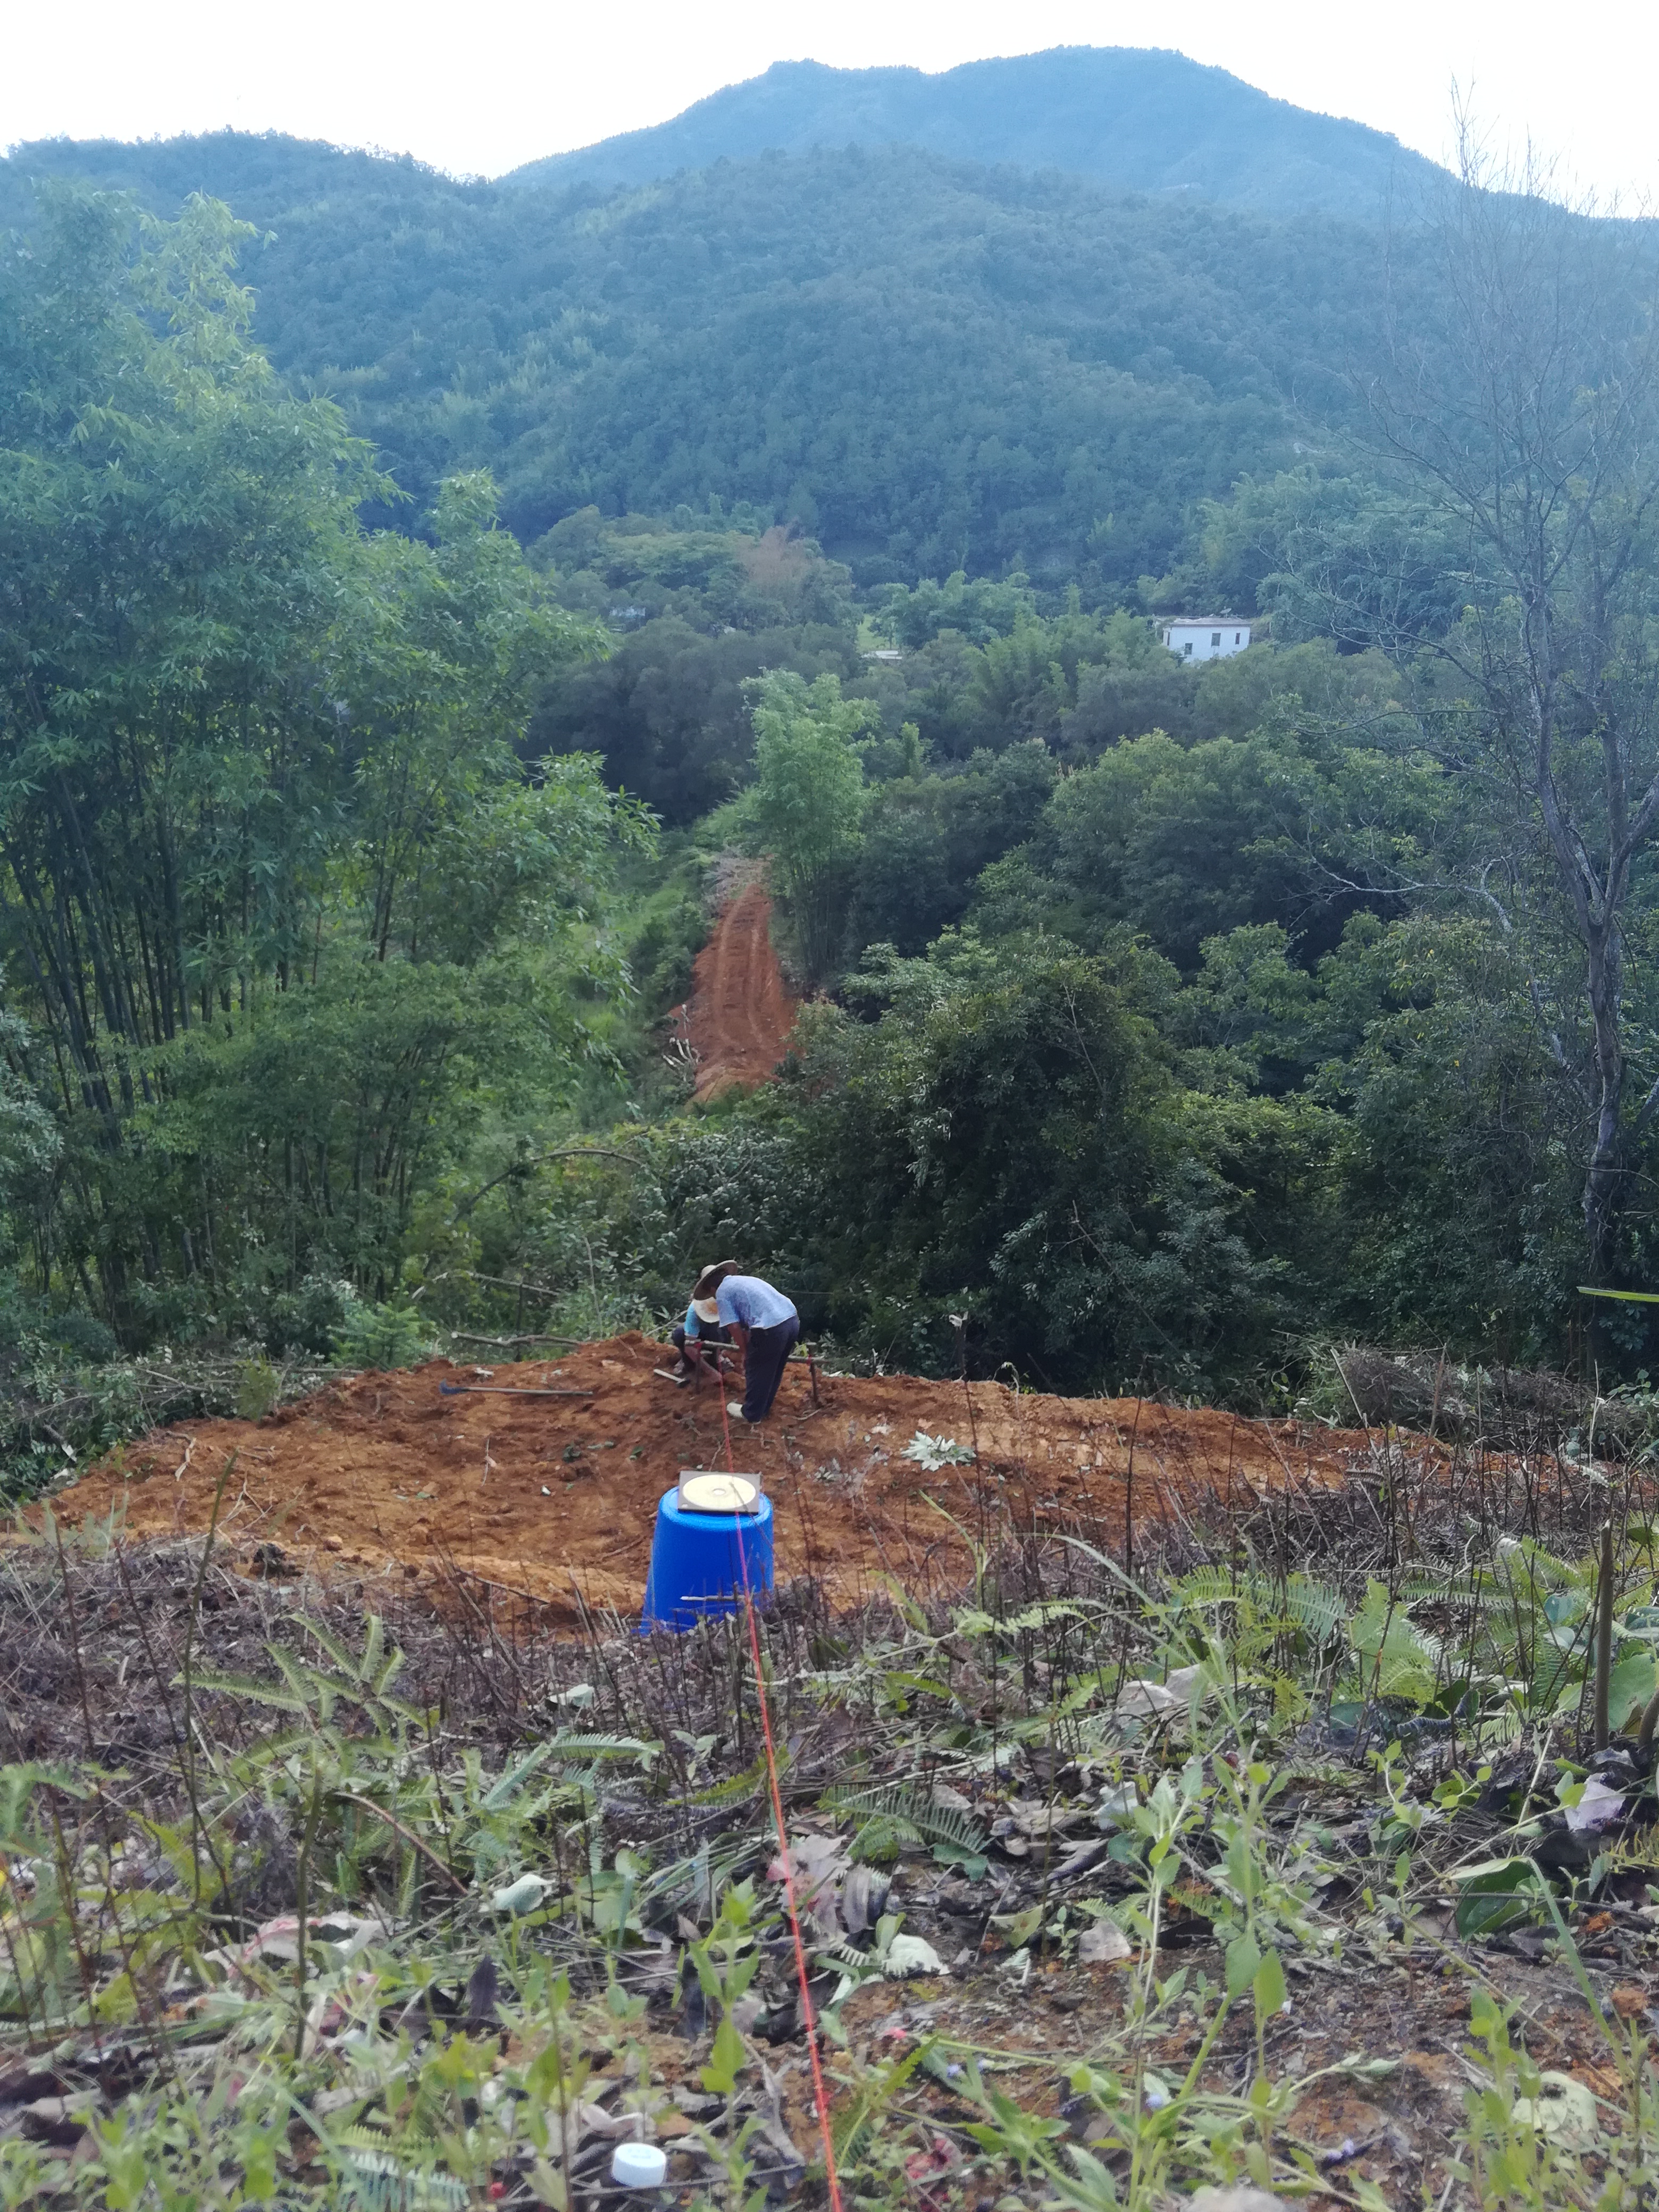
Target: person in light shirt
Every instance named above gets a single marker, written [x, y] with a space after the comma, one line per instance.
[698, 1337]
[765, 1325]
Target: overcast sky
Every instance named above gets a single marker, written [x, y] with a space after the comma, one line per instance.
[481, 87]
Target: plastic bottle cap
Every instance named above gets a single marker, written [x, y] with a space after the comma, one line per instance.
[639, 2165]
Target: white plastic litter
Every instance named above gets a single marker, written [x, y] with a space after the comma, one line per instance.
[1156, 1700]
[521, 1896]
[1562, 2106]
[1118, 1801]
[639, 2165]
[910, 1954]
[1244, 2199]
[1599, 1808]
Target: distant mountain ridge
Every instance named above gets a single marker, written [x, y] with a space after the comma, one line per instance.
[1144, 119]
[928, 361]
[927, 364]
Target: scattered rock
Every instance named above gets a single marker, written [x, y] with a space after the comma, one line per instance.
[1078, 1860]
[695, 2103]
[1103, 1945]
[1038, 1823]
[60, 2120]
[482, 1989]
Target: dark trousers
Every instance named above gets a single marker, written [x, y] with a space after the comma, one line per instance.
[709, 1342]
[763, 1362]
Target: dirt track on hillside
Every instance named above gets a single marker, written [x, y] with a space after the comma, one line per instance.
[740, 1014]
[553, 1499]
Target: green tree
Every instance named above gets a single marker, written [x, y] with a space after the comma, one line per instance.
[1005, 1141]
[951, 370]
[928, 839]
[806, 806]
[247, 748]
[668, 709]
[1524, 419]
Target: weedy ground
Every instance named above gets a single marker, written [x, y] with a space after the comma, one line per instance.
[1273, 1855]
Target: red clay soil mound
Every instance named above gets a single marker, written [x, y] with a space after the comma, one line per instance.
[547, 1497]
[739, 1015]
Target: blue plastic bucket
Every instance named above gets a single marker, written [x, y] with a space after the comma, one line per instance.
[696, 1566]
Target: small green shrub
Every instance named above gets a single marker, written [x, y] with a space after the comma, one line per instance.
[258, 1386]
[384, 1336]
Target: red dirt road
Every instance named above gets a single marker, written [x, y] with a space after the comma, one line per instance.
[383, 1478]
[739, 1013]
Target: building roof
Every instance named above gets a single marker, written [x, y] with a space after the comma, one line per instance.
[1207, 621]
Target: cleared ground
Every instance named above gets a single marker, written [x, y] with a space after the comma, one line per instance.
[553, 1499]
[478, 1527]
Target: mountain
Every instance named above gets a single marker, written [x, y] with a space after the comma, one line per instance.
[926, 363]
[1141, 119]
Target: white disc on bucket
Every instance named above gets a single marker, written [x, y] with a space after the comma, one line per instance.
[703, 1493]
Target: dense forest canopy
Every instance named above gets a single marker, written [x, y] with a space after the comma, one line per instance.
[926, 366]
[278, 890]
[1166, 1017]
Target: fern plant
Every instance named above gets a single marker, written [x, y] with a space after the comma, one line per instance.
[894, 1814]
[1273, 1636]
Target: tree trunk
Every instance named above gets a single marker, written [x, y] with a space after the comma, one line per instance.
[1602, 1175]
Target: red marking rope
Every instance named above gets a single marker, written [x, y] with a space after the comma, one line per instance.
[819, 2100]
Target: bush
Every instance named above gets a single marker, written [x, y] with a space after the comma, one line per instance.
[382, 1336]
[258, 1387]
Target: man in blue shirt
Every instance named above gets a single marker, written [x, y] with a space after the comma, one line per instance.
[764, 1323]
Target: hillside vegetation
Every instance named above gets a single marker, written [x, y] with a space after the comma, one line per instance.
[412, 626]
[1170, 1018]
[927, 365]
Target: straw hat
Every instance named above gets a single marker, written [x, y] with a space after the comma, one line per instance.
[711, 1278]
[706, 1309]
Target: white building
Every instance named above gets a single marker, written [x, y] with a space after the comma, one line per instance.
[1205, 637]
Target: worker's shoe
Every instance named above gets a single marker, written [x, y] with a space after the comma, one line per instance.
[736, 1410]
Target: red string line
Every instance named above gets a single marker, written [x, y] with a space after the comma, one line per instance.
[818, 2097]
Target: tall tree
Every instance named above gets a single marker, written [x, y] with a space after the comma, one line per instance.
[244, 744]
[806, 806]
[1525, 410]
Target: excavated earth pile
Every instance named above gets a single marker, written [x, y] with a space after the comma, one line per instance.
[552, 1500]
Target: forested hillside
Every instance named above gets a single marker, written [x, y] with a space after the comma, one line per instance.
[398, 648]
[1142, 121]
[926, 366]
[425, 610]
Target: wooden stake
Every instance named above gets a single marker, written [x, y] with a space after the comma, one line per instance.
[1601, 1728]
